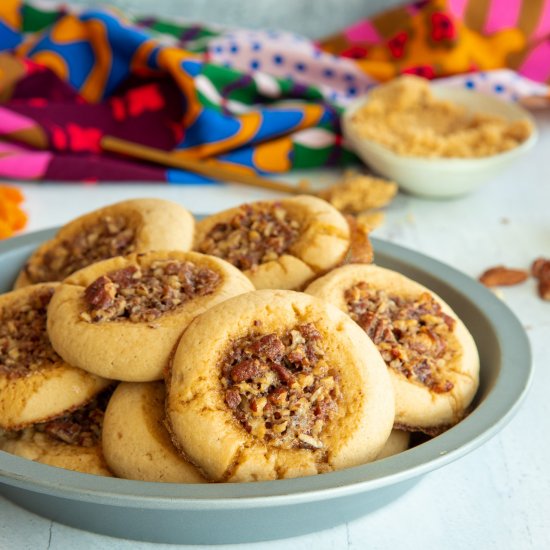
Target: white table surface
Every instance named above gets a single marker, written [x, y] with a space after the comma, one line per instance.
[496, 497]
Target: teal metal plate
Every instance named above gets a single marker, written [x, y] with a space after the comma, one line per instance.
[236, 513]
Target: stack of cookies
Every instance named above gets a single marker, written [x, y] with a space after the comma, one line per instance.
[259, 343]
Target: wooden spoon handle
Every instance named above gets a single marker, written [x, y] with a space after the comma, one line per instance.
[207, 168]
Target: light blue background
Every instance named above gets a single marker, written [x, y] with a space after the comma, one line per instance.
[313, 18]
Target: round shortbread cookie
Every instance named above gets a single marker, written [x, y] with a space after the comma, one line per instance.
[136, 443]
[398, 442]
[280, 244]
[277, 384]
[431, 356]
[136, 225]
[71, 441]
[35, 382]
[44, 449]
[121, 318]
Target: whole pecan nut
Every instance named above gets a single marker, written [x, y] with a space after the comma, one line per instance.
[544, 289]
[503, 276]
[540, 269]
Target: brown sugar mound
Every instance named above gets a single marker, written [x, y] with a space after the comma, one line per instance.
[406, 117]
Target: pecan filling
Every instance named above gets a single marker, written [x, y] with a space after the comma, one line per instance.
[107, 238]
[413, 336]
[255, 235]
[81, 427]
[281, 388]
[24, 343]
[137, 295]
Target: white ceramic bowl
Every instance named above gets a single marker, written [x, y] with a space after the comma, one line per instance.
[440, 177]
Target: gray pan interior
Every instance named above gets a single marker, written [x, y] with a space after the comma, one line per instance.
[232, 513]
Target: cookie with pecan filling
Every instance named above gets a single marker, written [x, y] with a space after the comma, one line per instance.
[71, 441]
[430, 354]
[398, 442]
[289, 387]
[136, 443]
[35, 382]
[277, 244]
[121, 318]
[136, 225]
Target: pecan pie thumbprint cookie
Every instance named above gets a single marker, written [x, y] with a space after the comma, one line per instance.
[136, 443]
[71, 441]
[280, 244]
[289, 387]
[398, 442]
[136, 225]
[36, 384]
[431, 356]
[121, 318]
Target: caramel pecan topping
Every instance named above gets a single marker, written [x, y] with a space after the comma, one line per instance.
[281, 388]
[138, 295]
[414, 336]
[107, 238]
[6, 435]
[24, 343]
[81, 427]
[255, 235]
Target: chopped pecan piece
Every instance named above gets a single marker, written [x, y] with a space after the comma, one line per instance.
[232, 398]
[324, 408]
[250, 368]
[309, 331]
[101, 293]
[503, 276]
[270, 346]
[124, 277]
[285, 376]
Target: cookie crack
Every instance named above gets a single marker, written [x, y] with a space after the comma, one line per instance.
[237, 457]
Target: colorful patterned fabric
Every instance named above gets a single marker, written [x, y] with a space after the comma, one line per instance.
[258, 101]
[436, 38]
